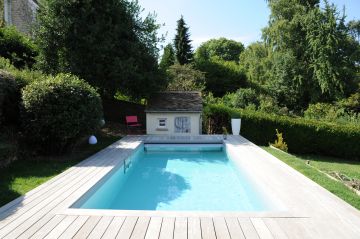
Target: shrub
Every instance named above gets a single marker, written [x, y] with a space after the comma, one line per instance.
[243, 97]
[302, 136]
[9, 99]
[58, 111]
[16, 47]
[279, 142]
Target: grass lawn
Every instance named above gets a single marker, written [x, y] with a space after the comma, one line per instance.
[23, 175]
[325, 164]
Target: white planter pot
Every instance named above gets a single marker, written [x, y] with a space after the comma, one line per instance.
[235, 126]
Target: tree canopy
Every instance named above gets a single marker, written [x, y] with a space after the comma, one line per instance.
[182, 43]
[168, 57]
[106, 42]
[225, 49]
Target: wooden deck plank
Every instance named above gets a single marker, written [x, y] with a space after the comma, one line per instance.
[32, 230]
[51, 185]
[46, 229]
[61, 227]
[26, 220]
[275, 229]
[293, 228]
[100, 228]
[207, 228]
[114, 227]
[234, 228]
[248, 228]
[140, 228]
[194, 228]
[127, 228]
[74, 227]
[181, 228]
[318, 213]
[221, 228]
[261, 228]
[153, 230]
[87, 228]
[167, 228]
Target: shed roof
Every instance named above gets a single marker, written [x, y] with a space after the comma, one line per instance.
[175, 101]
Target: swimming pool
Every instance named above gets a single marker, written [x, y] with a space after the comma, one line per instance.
[176, 178]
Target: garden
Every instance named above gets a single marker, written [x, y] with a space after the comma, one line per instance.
[55, 85]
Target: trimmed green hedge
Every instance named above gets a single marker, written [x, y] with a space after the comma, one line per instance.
[58, 111]
[302, 136]
[17, 47]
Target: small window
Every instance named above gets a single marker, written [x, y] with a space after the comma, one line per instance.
[182, 125]
[162, 123]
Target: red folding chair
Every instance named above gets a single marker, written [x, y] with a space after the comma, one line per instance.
[132, 123]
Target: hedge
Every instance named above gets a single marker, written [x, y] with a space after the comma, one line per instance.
[58, 111]
[9, 99]
[17, 47]
[302, 136]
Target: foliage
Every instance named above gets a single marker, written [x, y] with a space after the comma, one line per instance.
[255, 61]
[331, 112]
[225, 49]
[354, 29]
[183, 48]
[279, 142]
[16, 47]
[107, 43]
[330, 51]
[242, 98]
[9, 99]
[303, 136]
[222, 76]
[308, 55]
[185, 78]
[168, 57]
[59, 111]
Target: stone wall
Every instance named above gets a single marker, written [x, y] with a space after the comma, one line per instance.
[22, 14]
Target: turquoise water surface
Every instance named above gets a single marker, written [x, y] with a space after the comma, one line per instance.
[179, 178]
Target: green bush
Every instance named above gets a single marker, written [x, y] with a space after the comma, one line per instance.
[16, 47]
[9, 99]
[302, 136]
[58, 111]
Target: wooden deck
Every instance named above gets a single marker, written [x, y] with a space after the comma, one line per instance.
[309, 211]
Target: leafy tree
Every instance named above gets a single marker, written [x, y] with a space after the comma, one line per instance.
[106, 42]
[354, 28]
[168, 58]
[256, 62]
[222, 76]
[185, 78]
[183, 49]
[320, 54]
[225, 49]
[17, 47]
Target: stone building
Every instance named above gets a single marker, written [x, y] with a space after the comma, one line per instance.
[20, 13]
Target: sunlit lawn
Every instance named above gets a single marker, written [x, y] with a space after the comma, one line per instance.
[325, 164]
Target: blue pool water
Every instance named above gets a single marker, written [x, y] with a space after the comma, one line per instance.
[178, 177]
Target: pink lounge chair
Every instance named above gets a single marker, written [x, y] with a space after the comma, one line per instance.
[132, 123]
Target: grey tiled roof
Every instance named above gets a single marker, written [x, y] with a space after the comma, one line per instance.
[175, 101]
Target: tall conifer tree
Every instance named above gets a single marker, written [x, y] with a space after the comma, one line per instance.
[183, 49]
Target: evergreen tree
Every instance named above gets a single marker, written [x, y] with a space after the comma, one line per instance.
[107, 43]
[168, 58]
[183, 49]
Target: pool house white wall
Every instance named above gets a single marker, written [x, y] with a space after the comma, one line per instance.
[155, 123]
[174, 113]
